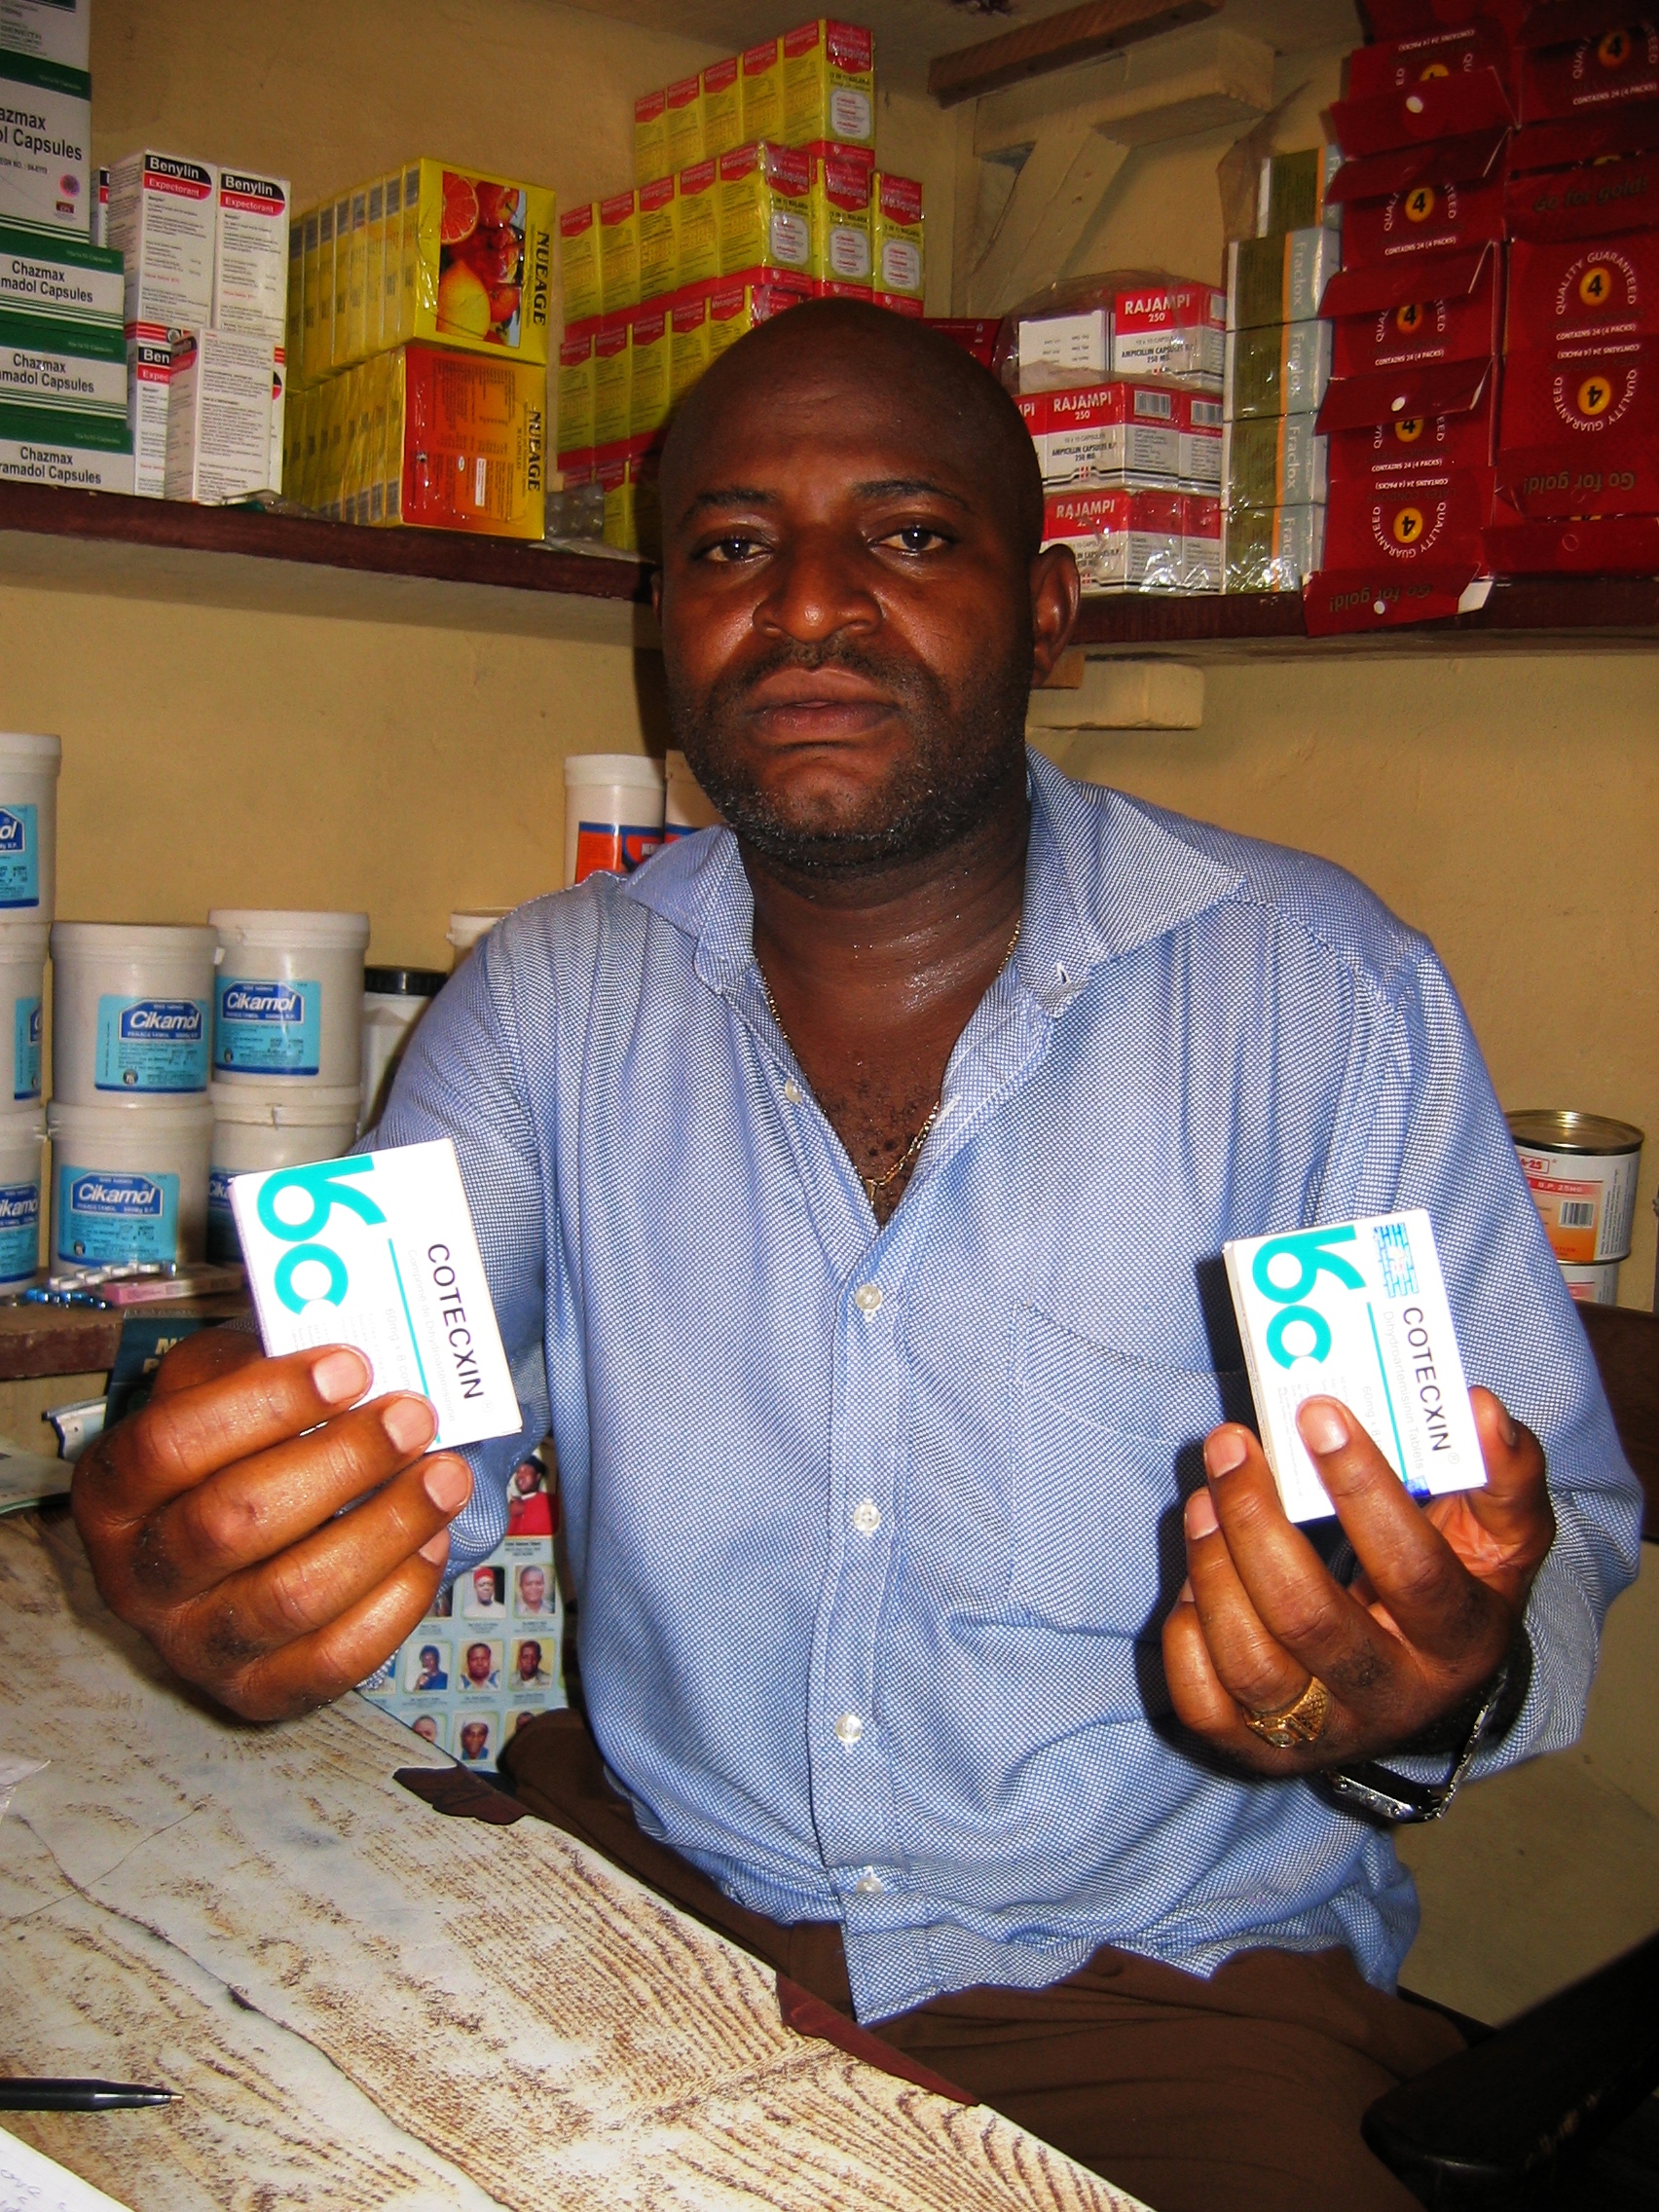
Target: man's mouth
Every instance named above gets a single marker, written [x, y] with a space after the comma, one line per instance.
[817, 704]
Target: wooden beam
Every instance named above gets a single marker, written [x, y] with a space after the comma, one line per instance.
[1070, 171]
[1057, 42]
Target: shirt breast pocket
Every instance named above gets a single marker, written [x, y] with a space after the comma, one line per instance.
[1106, 1447]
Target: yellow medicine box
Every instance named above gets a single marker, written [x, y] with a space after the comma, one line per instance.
[684, 106]
[829, 84]
[738, 308]
[688, 345]
[619, 251]
[697, 211]
[648, 374]
[722, 108]
[650, 137]
[660, 237]
[840, 222]
[760, 72]
[578, 251]
[765, 209]
[900, 266]
[611, 366]
[575, 395]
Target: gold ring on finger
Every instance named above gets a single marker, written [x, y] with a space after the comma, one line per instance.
[1300, 1722]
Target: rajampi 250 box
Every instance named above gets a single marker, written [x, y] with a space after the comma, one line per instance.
[1121, 539]
[1170, 330]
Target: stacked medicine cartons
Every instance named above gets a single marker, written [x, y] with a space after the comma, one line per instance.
[755, 187]
[1121, 398]
[62, 376]
[207, 260]
[1278, 362]
[28, 888]
[1578, 426]
[421, 335]
[1413, 410]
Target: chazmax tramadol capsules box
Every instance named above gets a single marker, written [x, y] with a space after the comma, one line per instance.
[379, 1252]
[1355, 1310]
[47, 179]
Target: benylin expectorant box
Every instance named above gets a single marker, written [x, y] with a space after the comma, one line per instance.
[1355, 1310]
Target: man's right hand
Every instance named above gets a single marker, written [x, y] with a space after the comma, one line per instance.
[210, 1518]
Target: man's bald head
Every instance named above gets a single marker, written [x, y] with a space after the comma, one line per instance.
[890, 365]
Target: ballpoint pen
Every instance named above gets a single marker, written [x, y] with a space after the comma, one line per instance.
[54, 2093]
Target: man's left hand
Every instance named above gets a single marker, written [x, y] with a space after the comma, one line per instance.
[1424, 1625]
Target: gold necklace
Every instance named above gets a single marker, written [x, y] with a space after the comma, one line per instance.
[874, 1185]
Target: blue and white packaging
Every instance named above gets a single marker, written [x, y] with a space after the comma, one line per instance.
[22, 1139]
[128, 1182]
[1355, 1310]
[133, 1011]
[288, 1003]
[378, 1251]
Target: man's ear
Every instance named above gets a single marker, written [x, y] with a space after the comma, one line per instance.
[1056, 591]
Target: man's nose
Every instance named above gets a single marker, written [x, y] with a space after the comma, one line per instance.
[818, 586]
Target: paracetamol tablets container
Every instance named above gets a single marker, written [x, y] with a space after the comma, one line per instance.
[22, 982]
[261, 1125]
[613, 804]
[1581, 1171]
[468, 929]
[22, 1151]
[288, 1003]
[28, 826]
[132, 1011]
[128, 1182]
[393, 1001]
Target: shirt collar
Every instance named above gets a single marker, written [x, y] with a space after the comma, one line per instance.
[1103, 875]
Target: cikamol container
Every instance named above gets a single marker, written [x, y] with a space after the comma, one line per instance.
[28, 826]
[131, 1010]
[257, 1127]
[22, 978]
[393, 1001]
[128, 1182]
[1581, 1169]
[23, 1141]
[288, 1004]
[1597, 1285]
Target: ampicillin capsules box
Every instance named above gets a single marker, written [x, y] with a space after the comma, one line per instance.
[1357, 1311]
[379, 1252]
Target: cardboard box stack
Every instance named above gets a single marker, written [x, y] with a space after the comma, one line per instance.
[422, 327]
[1122, 394]
[754, 187]
[1279, 364]
[1578, 424]
[1411, 409]
[63, 373]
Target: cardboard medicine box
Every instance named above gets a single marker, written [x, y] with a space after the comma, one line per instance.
[50, 282]
[1200, 422]
[1392, 530]
[841, 224]
[1422, 199]
[660, 237]
[1598, 198]
[1448, 50]
[1110, 432]
[828, 72]
[1168, 330]
[698, 222]
[466, 443]
[722, 108]
[745, 302]
[619, 251]
[1444, 306]
[163, 219]
[75, 452]
[574, 389]
[647, 375]
[1201, 541]
[1273, 548]
[149, 380]
[765, 209]
[1280, 279]
[650, 138]
[477, 262]
[1291, 190]
[1612, 65]
[1275, 460]
[578, 259]
[48, 30]
[1584, 293]
[688, 352]
[1122, 538]
[613, 368]
[70, 369]
[1397, 429]
[1281, 369]
[760, 72]
[899, 269]
[47, 178]
[683, 122]
[219, 417]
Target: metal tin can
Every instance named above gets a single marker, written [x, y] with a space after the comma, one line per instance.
[1581, 1171]
[1596, 1285]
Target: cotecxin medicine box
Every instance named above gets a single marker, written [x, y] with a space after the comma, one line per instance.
[379, 1252]
[1355, 1310]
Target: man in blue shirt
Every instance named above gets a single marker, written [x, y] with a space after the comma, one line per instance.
[852, 1189]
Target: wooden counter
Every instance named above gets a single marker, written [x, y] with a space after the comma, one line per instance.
[366, 2004]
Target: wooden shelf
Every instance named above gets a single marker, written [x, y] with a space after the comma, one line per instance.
[81, 1340]
[1532, 615]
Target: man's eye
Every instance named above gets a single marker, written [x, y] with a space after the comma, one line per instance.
[915, 537]
[727, 550]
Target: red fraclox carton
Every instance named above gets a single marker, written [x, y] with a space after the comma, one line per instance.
[1607, 66]
[1581, 294]
[1421, 114]
[1421, 199]
[1442, 307]
[1122, 538]
[1403, 425]
[1455, 50]
[1107, 432]
[1170, 330]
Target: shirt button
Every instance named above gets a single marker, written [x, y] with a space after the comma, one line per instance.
[867, 1298]
[869, 1885]
[849, 1728]
[791, 1091]
[867, 1516]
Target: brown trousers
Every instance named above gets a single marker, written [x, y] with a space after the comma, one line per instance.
[1243, 2091]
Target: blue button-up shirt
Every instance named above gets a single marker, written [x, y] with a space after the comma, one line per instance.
[873, 1529]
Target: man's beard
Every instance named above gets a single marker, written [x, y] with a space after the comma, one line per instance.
[962, 763]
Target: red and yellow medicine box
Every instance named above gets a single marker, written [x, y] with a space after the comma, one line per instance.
[840, 206]
[765, 209]
[612, 365]
[688, 345]
[1608, 66]
[576, 396]
[761, 74]
[1579, 433]
[683, 103]
[745, 302]
[698, 223]
[1416, 200]
[829, 84]
[578, 259]
[1443, 307]
[722, 108]
[1401, 426]
[619, 251]
[1582, 293]
[660, 237]
[648, 374]
[483, 263]
[899, 264]
[1397, 530]
[650, 137]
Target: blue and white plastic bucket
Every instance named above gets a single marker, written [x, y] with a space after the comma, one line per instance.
[288, 997]
[131, 1013]
[129, 1183]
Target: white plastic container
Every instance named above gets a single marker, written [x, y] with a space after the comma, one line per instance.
[23, 1150]
[129, 1183]
[686, 806]
[1594, 1285]
[468, 930]
[28, 826]
[613, 807]
[289, 1005]
[132, 1011]
[393, 1001]
[262, 1125]
[22, 983]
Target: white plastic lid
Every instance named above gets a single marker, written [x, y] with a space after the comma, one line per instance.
[635, 771]
[131, 940]
[279, 925]
[24, 941]
[265, 1107]
[172, 1120]
[20, 1122]
[464, 930]
[28, 749]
